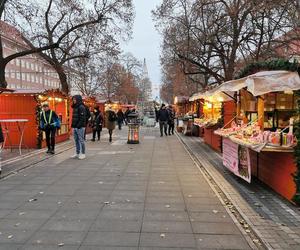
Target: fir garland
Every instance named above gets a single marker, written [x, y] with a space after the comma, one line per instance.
[296, 175]
[279, 64]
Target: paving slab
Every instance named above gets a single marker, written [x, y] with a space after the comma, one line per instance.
[146, 196]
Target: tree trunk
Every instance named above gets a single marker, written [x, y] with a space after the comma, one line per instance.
[3, 83]
[63, 79]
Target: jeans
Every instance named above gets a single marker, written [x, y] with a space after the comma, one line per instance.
[163, 126]
[50, 138]
[79, 140]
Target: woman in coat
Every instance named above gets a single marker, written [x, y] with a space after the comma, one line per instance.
[110, 121]
[97, 122]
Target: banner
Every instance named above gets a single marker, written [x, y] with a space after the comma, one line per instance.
[237, 159]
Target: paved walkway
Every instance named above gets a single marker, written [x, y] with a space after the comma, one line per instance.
[275, 220]
[147, 196]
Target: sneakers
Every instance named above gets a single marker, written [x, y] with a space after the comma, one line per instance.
[75, 156]
[81, 157]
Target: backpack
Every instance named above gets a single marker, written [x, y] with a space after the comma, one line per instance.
[111, 116]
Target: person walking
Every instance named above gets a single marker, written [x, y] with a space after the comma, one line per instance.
[163, 118]
[171, 120]
[127, 112]
[110, 121]
[49, 123]
[96, 122]
[79, 125]
[120, 118]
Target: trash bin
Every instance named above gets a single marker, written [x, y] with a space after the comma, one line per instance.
[133, 129]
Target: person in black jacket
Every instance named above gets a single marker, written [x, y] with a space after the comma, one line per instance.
[171, 122]
[79, 125]
[96, 122]
[49, 123]
[163, 118]
[120, 118]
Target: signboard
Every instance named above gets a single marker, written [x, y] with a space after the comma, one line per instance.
[237, 159]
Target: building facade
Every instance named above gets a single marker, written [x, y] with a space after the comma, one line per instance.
[28, 72]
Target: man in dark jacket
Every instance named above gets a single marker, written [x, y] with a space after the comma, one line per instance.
[79, 125]
[171, 120]
[163, 118]
[120, 118]
[49, 123]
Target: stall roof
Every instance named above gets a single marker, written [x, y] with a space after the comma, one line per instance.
[263, 82]
[258, 84]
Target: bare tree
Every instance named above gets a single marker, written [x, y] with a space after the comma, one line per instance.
[76, 28]
[209, 37]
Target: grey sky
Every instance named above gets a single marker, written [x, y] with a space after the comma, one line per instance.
[146, 40]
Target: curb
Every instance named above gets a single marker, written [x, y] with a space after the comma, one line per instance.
[234, 213]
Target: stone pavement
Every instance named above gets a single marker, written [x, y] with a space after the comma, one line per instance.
[275, 220]
[146, 196]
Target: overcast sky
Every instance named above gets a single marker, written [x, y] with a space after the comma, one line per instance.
[146, 40]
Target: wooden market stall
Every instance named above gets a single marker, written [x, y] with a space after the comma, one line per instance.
[261, 141]
[26, 104]
[216, 111]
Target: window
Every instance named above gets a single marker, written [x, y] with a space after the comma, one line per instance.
[23, 63]
[18, 75]
[7, 73]
[36, 68]
[18, 62]
[28, 77]
[32, 78]
[23, 76]
[12, 73]
[27, 65]
[32, 66]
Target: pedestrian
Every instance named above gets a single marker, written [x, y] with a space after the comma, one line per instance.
[110, 121]
[171, 120]
[163, 118]
[49, 123]
[127, 112]
[96, 123]
[120, 118]
[79, 125]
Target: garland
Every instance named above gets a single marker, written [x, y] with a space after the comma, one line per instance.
[296, 175]
[282, 64]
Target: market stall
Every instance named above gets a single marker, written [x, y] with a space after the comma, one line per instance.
[181, 108]
[260, 141]
[26, 105]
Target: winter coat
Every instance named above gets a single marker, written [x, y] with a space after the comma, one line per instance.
[163, 115]
[97, 121]
[47, 122]
[120, 116]
[111, 125]
[1, 135]
[171, 116]
[79, 113]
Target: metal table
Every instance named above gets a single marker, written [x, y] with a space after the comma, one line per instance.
[21, 123]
